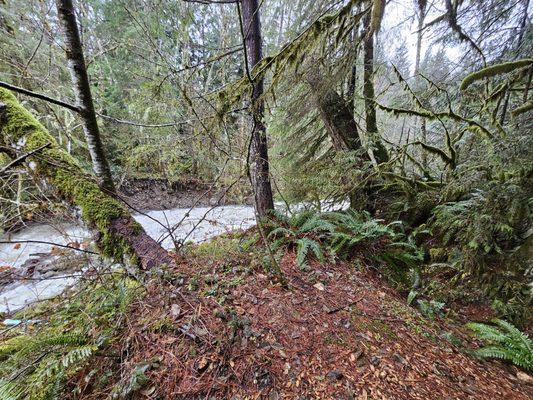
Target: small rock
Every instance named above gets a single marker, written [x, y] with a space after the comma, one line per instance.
[334, 375]
[319, 286]
[175, 310]
[375, 361]
[399, 358]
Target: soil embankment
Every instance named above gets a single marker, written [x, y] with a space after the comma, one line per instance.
[157, 194]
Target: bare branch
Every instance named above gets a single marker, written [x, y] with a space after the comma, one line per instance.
[21, 159]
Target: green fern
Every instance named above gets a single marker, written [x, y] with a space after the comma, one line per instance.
[303, 245]
[10, 390]
[505, 342]
[44, 359]
[341, 233]
[305, 231]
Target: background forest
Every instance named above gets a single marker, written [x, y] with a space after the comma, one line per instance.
[414, 117]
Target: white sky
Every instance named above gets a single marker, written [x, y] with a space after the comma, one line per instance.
[399, 16]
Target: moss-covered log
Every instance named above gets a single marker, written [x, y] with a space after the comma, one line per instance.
[120, 234]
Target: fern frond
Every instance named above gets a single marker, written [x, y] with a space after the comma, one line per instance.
[506, 342]
[280, 231]
[10, 390]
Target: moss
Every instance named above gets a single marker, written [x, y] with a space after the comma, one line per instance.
[494, 70]
[64, 173]
[523, 108]
[378, 9]
[4, 159]
[438, 254]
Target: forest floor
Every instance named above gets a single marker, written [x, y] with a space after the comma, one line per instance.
[158, 194]
[215, 326]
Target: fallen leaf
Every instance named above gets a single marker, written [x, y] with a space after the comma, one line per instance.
[202, 364]
[319, 286]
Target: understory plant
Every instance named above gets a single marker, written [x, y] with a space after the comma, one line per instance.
[306, 231]
[38, 363]
[504, 341]
[484, 238]
[346, 235]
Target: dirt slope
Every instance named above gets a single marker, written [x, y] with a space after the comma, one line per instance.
[222, 330]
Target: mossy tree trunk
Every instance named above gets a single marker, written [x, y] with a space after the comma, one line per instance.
[82, 91]
[335, 114]
[119, 234]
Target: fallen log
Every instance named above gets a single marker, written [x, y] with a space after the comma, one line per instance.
[120, 235]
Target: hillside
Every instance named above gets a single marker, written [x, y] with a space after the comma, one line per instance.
[215, 326]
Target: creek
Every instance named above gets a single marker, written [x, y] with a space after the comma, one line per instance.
[198, 224]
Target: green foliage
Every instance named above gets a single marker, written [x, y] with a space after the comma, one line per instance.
[152, 161]
[347, 234]
[485, 230]
[137, 381]
[305, 231]
[431, 309]
[504, 341]
[37, 364]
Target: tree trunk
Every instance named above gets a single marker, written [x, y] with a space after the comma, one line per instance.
[335, 114]
[259, 150]
[378, 149]
[119, 234]
[82, 91]
[423, 129]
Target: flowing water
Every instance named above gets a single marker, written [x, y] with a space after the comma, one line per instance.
[199, 224]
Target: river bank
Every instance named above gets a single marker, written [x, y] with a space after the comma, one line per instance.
[159, 194]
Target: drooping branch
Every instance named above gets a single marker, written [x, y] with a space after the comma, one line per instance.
[119, 234]
[472, 124]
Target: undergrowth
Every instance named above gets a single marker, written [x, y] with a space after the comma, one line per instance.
[37, 363]
[346, 235]
[504, 341]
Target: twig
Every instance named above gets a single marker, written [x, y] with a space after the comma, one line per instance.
[20, 159]
[66, 246]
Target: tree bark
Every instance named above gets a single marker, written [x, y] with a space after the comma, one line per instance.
[335, 114]
[82, 91]
[378, 149]
[422, 4]
[259, 147]
[119, 234]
